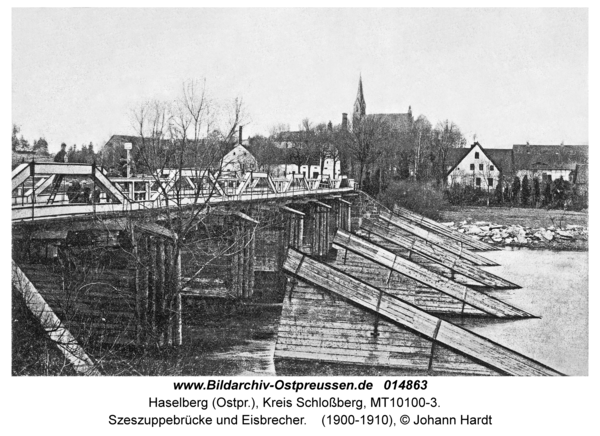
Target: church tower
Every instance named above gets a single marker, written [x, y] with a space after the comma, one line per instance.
[360, 107]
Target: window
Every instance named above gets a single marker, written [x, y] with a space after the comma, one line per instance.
[476, 155]
[491, 167]
[315, 174]
[480, 167]
[490, 182]
[472, 167]
[478, 182]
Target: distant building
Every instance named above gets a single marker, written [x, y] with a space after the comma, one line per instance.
[477, 166]
[239, 159]
[481, 167]
[548, 162]
[400, 122]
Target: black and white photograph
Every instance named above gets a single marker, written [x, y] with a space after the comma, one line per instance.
[397, 193]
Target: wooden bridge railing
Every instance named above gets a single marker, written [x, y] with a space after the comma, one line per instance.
[41, 190]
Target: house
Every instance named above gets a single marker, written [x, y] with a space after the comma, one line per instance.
[239, 159]
[312, 169]
[548, 162]
[481, 167]
[477, 166]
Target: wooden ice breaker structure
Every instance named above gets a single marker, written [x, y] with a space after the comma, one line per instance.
[451, 246]
[441, 229]
[414, 247]
[329, 316]
[460, 292]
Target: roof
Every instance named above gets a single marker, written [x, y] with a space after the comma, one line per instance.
[455, 155]
[501, 157]
[125, 138]
[532, 157]
[581, 174]
[396, 121]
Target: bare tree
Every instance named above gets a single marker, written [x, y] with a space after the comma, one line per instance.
[421, 131]
[303, 146]
[446, 135]
[367, 142]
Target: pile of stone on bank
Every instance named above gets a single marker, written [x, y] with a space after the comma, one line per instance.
[516, 235]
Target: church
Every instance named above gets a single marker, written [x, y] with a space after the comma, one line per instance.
[397, 162]
[397, 121]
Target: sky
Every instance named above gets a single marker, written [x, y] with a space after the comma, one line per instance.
[507, 76]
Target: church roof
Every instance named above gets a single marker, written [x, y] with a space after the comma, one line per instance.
[396, 121]
[360, 106]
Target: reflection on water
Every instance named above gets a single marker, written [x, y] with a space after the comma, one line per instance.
[555, 288]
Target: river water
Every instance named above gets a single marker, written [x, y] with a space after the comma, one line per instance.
[555, 288]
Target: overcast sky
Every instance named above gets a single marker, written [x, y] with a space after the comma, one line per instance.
[507, 75]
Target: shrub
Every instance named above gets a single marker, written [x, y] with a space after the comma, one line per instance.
[422, 198]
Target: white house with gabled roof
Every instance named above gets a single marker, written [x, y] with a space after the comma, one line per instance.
[239, 159]
[477, 166]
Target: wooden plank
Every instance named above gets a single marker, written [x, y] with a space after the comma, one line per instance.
[293, 211]
[54, 328]
[319, 204]
[20, 174]
[245, 217]
[108, 186]
[332, 337]
[445, 244]
[460, 340]
[416, 272]
[441, 229]
[436, 254]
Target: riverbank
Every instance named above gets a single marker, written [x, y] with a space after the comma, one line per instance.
[556, 230]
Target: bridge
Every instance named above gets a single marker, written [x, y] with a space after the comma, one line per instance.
[41, 190]
[97, 259]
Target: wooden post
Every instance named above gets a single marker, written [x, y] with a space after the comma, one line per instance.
[169, 294]
[152, 284]
[143, 285]
[251, 259]
[235, 273]
[178, 328]
[160, 290]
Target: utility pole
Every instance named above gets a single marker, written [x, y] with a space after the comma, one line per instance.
[128, 147]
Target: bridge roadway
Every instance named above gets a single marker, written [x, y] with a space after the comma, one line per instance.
[39, 192]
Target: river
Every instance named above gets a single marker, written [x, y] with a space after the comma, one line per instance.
[555, 288]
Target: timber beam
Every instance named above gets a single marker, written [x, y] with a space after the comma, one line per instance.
[453, 247]
[441, 229]
[463, 293]
[436, 255]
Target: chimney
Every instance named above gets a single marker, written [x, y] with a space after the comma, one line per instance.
[240, 140]
[344, 121]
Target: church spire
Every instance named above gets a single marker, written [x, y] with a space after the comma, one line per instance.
[360, 107]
